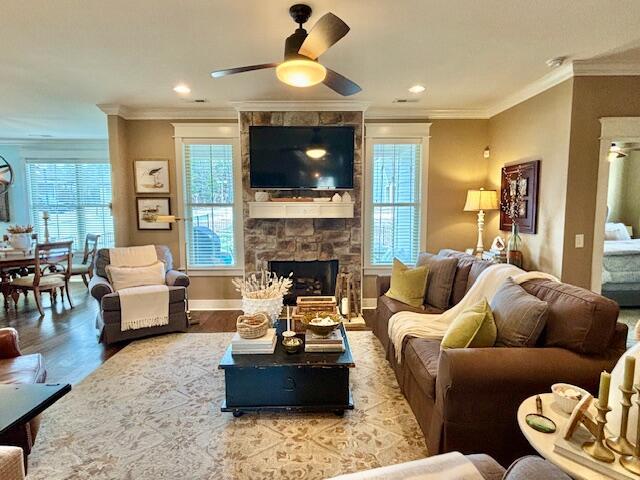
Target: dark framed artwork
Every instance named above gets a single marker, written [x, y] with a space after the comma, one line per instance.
[147, 207]
[526, 185]
[4, 207]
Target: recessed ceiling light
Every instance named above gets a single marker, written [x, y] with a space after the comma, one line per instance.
[181, 88]
[417, 89]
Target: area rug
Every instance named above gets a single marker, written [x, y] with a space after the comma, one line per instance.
[153, 412]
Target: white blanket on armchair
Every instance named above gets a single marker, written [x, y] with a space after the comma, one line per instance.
[434, 326]
[143, 306]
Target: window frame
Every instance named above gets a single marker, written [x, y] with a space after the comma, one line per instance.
[390, 133]
[202, 133]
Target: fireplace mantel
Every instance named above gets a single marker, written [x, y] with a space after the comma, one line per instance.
[301, 209]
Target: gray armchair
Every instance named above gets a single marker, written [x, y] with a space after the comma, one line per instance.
[108, 321]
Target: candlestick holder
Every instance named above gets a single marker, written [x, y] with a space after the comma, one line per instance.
[45, 218]
[620, 443]
[632, 462]
[597, 449]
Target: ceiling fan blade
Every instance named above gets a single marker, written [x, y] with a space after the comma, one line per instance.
[326, 32]
[231, 71]
[340, 84]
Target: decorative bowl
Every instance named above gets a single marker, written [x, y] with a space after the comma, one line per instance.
[290, 342]
[567, 402]
[322, 323]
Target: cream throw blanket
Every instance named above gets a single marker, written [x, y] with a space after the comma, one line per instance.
[140, 307]
[450, 466]
[434, 326]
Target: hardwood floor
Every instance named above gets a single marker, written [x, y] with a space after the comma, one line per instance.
[67, 337]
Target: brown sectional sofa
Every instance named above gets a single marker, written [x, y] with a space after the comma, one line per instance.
[467, 399]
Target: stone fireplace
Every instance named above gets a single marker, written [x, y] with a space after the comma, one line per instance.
[303, 239]
[311, 278]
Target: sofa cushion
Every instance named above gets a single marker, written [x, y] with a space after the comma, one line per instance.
[477, 268]
[408, 284]
[394, 306]
[487, 466]
[421, 357]
[578, 319]
[519, 316]
[440, 279]
[23, 369]
[111, 301]
[130, 277]
[467, 271]
[534, 468]
[474, 327]
[102, 259]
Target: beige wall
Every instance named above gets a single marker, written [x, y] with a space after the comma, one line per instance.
[593, 98]
[537, 129]
[623, 196]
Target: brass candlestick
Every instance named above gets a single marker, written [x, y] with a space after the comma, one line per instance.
[620, 443]
[632, 462]
[597, 449]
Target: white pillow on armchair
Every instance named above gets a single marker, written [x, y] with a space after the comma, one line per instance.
[129, 277]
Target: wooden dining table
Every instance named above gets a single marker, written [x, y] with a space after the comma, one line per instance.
[13, 262]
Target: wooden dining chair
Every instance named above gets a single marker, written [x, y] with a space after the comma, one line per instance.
[85, 268]
[52, 270]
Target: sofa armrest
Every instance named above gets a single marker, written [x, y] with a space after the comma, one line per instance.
[99, 287]
[383, 282]
[9, 347]
[174, 278]
[490, 383]
[11, 463]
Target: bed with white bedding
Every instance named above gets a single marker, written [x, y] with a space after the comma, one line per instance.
[621, 266]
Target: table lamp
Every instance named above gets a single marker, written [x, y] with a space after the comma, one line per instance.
[479, 201]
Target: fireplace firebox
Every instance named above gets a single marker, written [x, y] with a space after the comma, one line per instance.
[317, 277]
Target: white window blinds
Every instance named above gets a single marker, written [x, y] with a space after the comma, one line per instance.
[76, 195]
[394, 219]
[209, 203]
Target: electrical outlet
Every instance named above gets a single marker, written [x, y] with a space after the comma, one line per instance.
[580, 240]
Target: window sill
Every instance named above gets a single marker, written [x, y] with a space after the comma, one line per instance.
[377, 270]
[214, 272]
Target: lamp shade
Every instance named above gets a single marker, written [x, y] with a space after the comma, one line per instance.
[481, 200]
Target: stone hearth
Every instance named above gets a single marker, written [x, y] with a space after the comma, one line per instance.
[303, 239]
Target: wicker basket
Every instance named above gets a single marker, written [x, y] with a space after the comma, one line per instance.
[253, 326]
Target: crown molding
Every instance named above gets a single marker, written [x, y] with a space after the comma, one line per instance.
[303, 106]
[383, 113]
[585, 68]
[57, 143]
[169, 113]
[553, 78]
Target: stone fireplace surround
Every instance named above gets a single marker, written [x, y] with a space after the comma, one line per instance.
[304, 239]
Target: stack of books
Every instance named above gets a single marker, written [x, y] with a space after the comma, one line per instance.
[254, 346]
[316, 343]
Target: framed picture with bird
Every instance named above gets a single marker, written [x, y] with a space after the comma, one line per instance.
[152, 176]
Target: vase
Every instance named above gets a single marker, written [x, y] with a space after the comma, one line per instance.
[271, 306]
[514, 255]
[20, 241]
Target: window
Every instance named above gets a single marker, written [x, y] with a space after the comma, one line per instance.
[209, 203]
[77, 197]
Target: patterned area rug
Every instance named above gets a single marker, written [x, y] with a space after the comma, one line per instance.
[152, 412]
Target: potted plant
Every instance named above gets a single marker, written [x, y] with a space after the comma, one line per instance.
[512, 203]
[263, 291]
[20, 236]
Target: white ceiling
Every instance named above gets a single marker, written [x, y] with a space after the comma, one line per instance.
[59, 58]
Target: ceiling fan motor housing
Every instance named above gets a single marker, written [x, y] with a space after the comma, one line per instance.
[293, 43]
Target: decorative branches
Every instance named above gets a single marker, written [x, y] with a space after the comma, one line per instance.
[512, 202]
[14, 229]
[263, 285]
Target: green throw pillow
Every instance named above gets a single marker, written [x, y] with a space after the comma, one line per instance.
[474, 328]
[408, 285]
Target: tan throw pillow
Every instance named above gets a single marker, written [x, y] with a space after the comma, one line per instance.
[473, 328]
[129, 277]
[520, 317]
[408, 284]
[440, 282]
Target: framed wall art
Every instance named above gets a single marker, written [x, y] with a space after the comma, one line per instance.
[147, 208]
[520, 182]
[152, 176]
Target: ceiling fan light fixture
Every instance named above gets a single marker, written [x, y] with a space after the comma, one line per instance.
[316, 152]
[301, 73]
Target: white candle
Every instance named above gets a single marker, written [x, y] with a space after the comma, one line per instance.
[344, 308]
[288, 319]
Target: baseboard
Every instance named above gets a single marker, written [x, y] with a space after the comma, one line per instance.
[369, 303]
[218, 304]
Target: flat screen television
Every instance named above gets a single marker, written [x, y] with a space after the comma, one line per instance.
[311, 158]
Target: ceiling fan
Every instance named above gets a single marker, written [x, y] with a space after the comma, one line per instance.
[300, 67]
